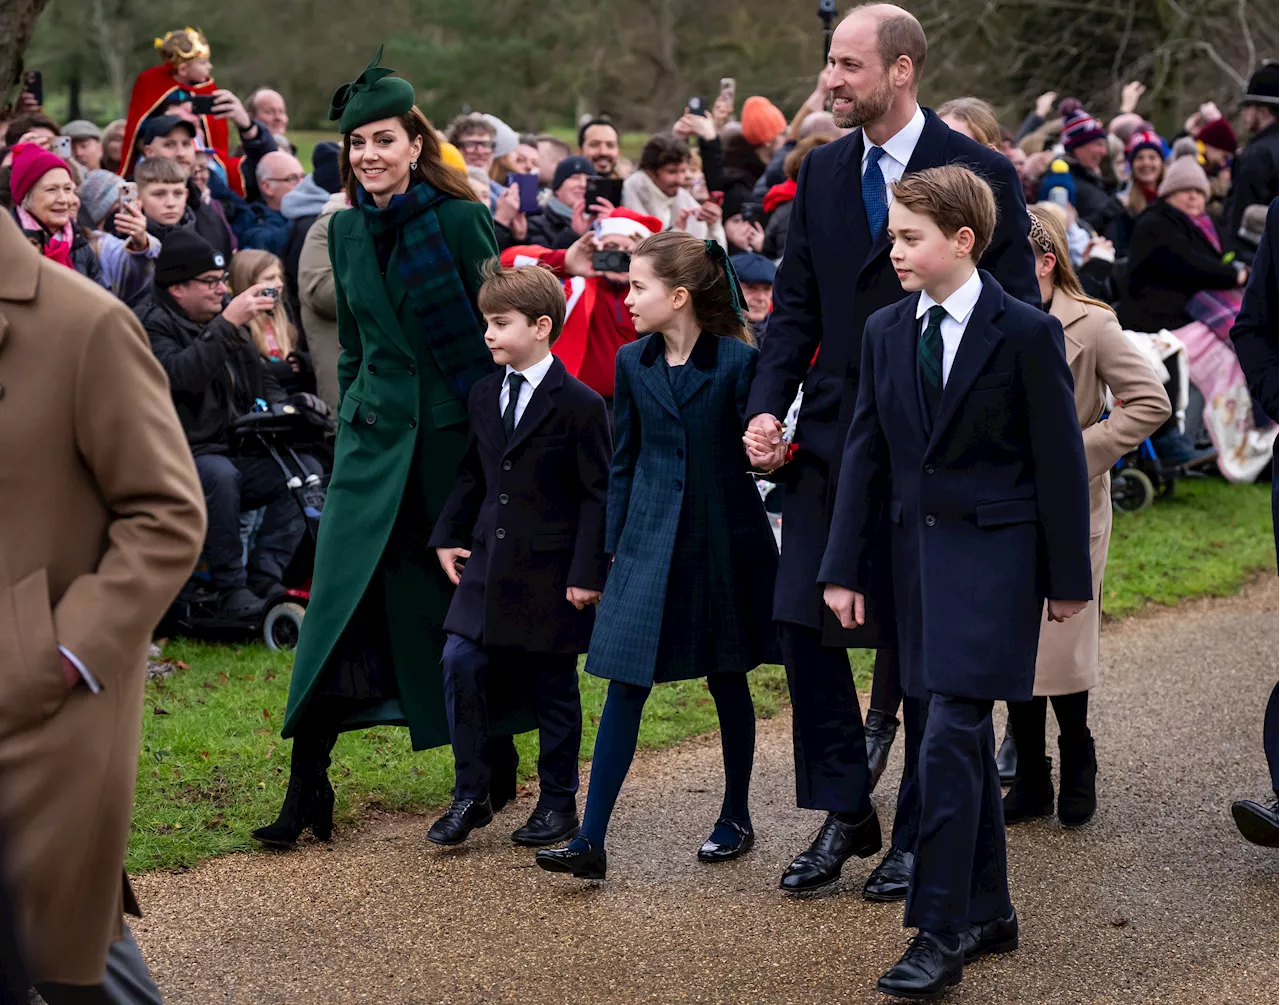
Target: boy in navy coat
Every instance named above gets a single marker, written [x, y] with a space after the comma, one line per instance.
[522, 537]
[965, 432]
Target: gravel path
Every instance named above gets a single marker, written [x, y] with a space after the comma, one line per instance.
[1158, 900]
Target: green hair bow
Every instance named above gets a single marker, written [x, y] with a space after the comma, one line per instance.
[718, 254]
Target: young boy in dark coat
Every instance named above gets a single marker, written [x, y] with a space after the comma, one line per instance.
[966, 431]
[522, 537]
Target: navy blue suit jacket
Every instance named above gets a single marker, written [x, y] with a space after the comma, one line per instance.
[831, 280]
[532, 512]
[1256, 336]
[988, 505]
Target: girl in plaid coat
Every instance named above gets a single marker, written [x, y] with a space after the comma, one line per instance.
[691, 588]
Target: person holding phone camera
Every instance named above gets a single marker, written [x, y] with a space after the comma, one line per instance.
[202, 340]
[656, 190]
[45, 206]
[565, 215]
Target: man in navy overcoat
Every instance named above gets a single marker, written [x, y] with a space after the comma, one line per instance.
[835, 275]
[1257, 343]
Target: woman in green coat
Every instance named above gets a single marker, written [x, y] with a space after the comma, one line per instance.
[407, 262]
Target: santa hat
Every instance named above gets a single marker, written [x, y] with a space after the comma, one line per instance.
[623, 222]
[522, 254]
[1078, 126]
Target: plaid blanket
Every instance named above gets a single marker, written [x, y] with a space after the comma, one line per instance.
[453, 333]
[1216, 310]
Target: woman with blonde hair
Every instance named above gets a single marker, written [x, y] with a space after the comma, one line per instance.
[973, 117]
[274, 334]
[1100, 357]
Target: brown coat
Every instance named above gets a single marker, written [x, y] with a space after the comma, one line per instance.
[103, 521]
[1100, 357]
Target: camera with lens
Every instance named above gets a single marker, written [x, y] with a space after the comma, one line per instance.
[611, 260]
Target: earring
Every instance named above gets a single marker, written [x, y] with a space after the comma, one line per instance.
[413, 165]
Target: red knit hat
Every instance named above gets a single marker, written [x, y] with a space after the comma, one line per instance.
[761, 120]
[1078, 126]
[1219, 135]
[629, 223]
[30, 164]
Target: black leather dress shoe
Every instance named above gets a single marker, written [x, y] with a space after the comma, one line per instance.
[990, 938]
[880, 729]
[1257, 823]
[714, 851]
[459, 820]
[585, 863]
[925, 971]
[889, 880]
[819, 865]
[1007, 759]
[546, 827]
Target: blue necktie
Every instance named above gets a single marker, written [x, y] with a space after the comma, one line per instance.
[873, 196]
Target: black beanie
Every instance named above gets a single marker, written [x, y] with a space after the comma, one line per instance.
[185, 255]
[324, 167]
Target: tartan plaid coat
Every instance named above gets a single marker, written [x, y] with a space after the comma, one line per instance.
[691, 588]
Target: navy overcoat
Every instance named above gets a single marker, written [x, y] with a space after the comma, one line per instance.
[691, 587]
[988, 507]
[832, 278]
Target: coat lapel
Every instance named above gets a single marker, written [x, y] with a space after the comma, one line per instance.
[702, 361]
[979, 341]
[655, 380]
[364, 262]
[539, 407]
[849, 190]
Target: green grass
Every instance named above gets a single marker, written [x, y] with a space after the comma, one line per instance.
[1206, 539]
[213, 766]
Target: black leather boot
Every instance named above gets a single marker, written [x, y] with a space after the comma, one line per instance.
[1007, 758]
[1032, 793]
[1077, 794]
[308, 762]
[880, 729]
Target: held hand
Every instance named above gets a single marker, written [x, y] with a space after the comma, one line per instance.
[582, 599]
[1044, 103]
[847, 605]
[577, 260]
[248, 305]
[70, 675]
[449, 559]
[131, 224]
[701, 126]
[227, 106]
[508, 206]
[1060, 610]
[601, 208]
[762, 455]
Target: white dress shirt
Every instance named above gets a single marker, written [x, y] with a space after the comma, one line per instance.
[532, 378]
[959, 307]
[897, 152]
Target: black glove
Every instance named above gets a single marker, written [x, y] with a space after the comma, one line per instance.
[307, 402]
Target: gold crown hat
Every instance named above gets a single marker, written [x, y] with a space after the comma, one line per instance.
[199, 45]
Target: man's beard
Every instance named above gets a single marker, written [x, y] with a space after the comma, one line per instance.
[864, 110]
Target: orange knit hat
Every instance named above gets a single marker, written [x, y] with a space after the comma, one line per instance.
[761, 120]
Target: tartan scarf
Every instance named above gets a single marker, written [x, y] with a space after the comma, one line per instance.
[452, 332]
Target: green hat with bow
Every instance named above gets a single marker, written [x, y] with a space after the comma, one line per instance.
[373, 95]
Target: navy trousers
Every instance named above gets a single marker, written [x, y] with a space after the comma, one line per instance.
[559, 710]
[960, 877]
[826, 724]
[1271, 736]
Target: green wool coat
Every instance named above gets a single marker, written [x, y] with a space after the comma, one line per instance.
[401, 431]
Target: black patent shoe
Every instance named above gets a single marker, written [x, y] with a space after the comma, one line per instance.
[714, 851]
[1031, 795]
[1256, 822]
[880, 730]
[459, 820]
[1007, 759]
[546, 827]
[925, 972]
[990, 938]
[819, 865]
[586, 862]
[889, 880]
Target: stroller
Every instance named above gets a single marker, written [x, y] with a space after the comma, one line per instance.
[277, 432]
[1139, 476]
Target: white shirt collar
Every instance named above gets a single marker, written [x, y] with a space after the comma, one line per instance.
[902, 144]
[533, 374]
[960, 304]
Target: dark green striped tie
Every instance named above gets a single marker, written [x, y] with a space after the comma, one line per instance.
[929, 359]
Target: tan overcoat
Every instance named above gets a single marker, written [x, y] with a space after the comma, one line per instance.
[101, 522]
[1100, 357]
